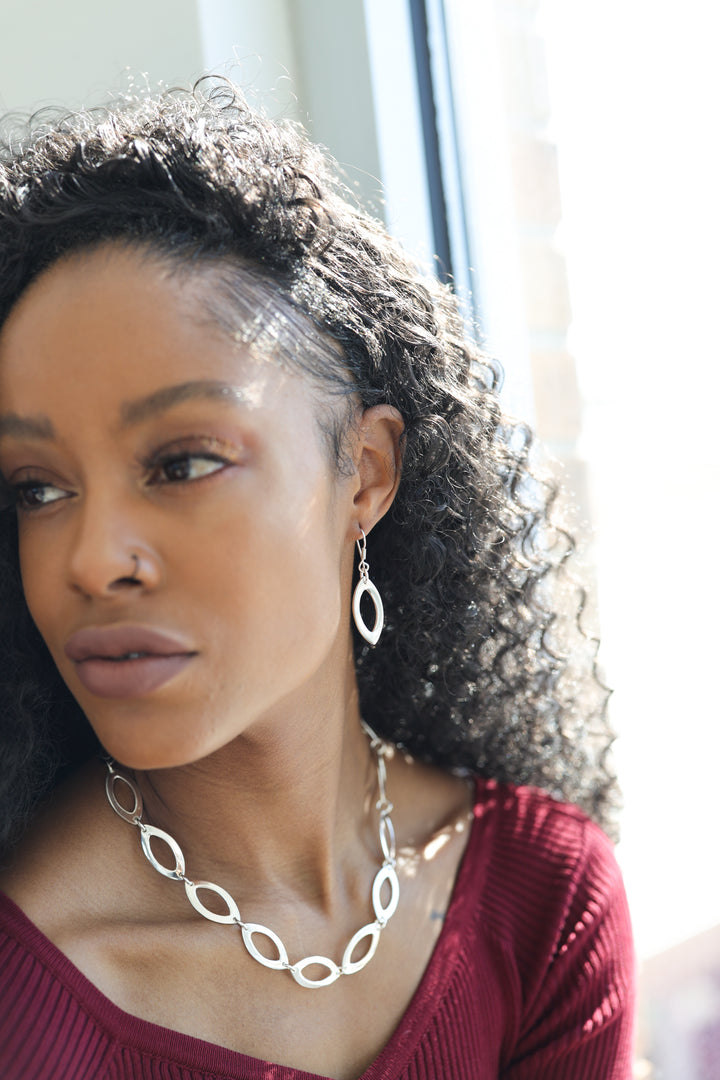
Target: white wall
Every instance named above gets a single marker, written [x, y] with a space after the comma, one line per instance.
[253, 42]
[69, 53]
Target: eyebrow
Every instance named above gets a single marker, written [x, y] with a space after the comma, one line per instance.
[135, 412]
[132, 412]
[32, 427]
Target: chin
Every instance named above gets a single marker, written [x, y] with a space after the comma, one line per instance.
[147, 749]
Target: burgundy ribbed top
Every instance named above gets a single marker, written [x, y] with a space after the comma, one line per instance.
[531, 978]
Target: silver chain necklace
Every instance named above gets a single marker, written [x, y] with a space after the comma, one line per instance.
[386, 873]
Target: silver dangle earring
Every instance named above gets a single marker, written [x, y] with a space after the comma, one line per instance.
[365, 585]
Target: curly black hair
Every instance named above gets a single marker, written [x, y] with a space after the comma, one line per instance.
[479, 667]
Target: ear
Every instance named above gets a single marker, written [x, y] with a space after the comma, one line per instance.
[378, 458]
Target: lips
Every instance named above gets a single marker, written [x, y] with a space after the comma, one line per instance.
[126, 661]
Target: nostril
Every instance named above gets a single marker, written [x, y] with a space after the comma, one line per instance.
[106, 559]
[133, 576]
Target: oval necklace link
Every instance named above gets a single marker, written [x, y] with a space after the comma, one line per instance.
[383, 912]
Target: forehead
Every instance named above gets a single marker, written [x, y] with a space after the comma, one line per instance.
[119, 318]
[97, 296]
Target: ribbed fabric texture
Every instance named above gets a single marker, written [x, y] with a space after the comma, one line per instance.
[531, 979]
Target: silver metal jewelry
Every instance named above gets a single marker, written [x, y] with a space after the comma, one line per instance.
[136, 566]
[176, 872]
[365, 585]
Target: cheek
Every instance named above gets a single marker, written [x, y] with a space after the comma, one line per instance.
[39, 574]
[274, 571]
[276, 577]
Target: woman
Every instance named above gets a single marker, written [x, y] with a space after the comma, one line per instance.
[235, 423]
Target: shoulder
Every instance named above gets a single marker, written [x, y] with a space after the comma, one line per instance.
[546, 873]
[527, 827]
[39, 1006]
[71, 842]
[550, 894]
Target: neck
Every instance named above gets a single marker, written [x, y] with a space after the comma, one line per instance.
[286, 809]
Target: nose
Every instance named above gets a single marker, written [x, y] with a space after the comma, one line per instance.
[109, 554]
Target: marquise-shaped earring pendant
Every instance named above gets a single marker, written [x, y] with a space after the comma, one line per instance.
[365, 585]
[371, 636]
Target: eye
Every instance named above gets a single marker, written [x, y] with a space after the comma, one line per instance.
[180, 467]
[34, 494]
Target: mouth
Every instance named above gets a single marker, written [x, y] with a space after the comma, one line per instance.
[131, 675]
[124, 657]
[126, 661]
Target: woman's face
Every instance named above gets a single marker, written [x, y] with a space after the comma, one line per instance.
[134, 426]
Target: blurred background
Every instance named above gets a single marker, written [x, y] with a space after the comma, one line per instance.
[560, 160]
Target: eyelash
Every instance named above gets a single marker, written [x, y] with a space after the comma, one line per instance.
[17, 494]
[159, 463]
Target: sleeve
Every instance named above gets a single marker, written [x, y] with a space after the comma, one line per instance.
[578, 1016]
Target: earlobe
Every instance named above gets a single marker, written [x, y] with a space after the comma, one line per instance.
[379, 463]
